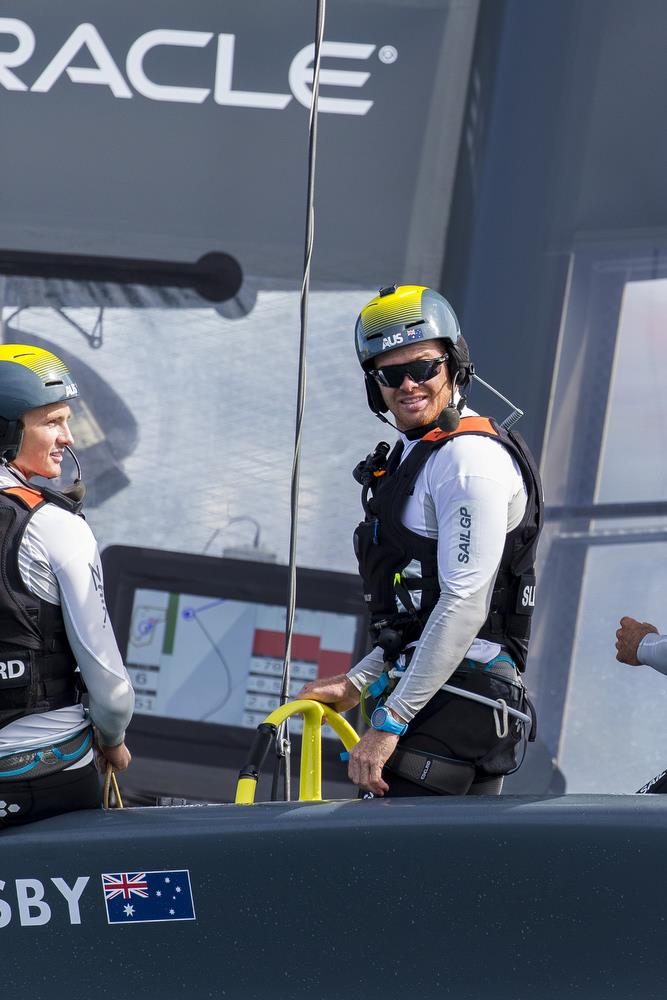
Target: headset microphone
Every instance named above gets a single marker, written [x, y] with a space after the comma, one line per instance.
[77, 490]
[450, 418]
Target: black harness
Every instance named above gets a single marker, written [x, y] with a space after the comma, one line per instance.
[37, 666]
[385, 547]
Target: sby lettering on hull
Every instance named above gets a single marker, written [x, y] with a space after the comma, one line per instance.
[106, 72]
[31, 908]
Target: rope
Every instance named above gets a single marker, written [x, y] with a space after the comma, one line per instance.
[282, 738]
[109, 783]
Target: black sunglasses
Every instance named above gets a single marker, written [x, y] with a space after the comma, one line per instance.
[417, 371]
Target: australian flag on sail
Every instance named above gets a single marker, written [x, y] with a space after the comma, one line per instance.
[141, 897]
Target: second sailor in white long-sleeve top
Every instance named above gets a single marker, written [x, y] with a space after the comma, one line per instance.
[55, 633]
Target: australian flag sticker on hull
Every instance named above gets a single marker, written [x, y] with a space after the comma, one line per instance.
[145, 897]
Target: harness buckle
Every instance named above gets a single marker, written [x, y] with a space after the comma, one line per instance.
[502, 729]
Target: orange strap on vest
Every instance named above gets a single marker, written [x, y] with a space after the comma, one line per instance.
[31, 498]
[468, 425]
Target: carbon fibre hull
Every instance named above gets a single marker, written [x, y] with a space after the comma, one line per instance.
[509, 897]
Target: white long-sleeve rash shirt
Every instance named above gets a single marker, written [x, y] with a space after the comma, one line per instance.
[652, 651]
[59, 562]
[470, 483]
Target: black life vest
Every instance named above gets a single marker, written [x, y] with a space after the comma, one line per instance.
[37, 665]
[385, 547]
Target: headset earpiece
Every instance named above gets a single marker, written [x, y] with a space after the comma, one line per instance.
[460, 366]
[374, 395]
[11, 438]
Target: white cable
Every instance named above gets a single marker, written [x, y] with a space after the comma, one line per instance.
[283, 733]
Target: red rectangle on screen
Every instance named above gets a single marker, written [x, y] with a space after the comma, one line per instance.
[270, 643]
[331, 662]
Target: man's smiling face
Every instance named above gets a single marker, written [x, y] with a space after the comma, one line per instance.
[416, 404]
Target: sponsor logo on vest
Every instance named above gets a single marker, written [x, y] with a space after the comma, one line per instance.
[86, 43]
[12, 670]
[426, 769]
[465, 525]
[528, 596]
[393, 341]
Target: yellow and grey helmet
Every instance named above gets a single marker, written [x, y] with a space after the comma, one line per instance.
[408, 314]
[29, 377]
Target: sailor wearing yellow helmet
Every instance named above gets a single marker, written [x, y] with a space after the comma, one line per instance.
[53, 616]
[446, 552]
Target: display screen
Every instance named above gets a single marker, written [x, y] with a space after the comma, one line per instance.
[218, 660]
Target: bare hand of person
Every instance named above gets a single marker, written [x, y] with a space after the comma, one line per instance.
[338, 691]
[628, 637]
[368, 758]
[119, 757]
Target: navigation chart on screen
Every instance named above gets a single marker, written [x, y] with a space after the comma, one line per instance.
[220, 661]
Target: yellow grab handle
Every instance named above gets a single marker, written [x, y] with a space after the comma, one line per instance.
[310, 777]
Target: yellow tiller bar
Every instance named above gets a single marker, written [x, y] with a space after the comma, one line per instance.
[310, 777]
